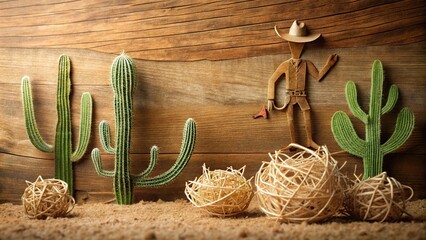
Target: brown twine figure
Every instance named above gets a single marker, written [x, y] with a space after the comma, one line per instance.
[295, 70]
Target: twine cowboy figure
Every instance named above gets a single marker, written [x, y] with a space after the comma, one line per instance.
[295, 70]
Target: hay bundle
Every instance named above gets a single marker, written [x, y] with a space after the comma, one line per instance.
[220, 192]
[379, 198]
[47, 198]
[303, 187]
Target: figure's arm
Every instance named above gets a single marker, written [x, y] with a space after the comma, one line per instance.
[272, 80]
[313, 71]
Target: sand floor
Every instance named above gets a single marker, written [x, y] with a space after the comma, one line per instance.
[180, 220]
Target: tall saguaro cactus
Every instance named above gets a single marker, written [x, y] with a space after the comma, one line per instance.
[64, 156]
[371, 149]
[123, 83]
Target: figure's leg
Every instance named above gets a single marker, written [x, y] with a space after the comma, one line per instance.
[308, 127]
[290, 121]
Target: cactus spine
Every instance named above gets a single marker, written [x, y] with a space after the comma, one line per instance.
[371, 149]
[123, 84]
[62, 148]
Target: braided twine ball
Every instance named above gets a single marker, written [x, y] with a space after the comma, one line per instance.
[47, 198]
[379, 198]
[220, 192]
[304, 187]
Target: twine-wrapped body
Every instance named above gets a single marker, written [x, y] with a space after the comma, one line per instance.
[378, 197]
[303, 187]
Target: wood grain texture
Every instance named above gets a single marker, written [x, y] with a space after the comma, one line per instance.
[199, 29]
[220, 95]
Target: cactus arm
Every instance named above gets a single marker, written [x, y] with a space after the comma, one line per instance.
[85, 127]
[345, 135]
[392, 98]
[30, 122]
[152, 162]
[96, 158]
[352, 99]
[188, 145]
[403, 129]
[105, 136]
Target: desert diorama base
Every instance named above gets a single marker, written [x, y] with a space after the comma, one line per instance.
[181, 220]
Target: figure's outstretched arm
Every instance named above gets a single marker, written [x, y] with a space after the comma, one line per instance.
[313, 71]
[272, 80]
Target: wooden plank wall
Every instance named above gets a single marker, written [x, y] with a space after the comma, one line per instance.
[209, 60]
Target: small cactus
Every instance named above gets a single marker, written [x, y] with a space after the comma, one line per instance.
[63, 139]
[123, 82]
[371, 149]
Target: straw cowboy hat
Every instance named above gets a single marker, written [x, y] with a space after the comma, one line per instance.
[298, 33]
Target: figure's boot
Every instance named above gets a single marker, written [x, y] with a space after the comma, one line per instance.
[308, 126]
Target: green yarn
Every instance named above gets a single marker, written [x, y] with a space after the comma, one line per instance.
[63, 140]
[371, 149]
[123, 77]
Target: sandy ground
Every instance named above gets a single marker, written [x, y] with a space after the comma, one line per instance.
[180, 220]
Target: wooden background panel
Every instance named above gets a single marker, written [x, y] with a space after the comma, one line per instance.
[220, 95]
[234, 133]
[199, 29]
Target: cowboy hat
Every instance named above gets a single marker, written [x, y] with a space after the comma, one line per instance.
[298, 33]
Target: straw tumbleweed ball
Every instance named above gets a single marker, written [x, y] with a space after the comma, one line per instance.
[220, 192]
[303, 187]
[47, 198]
[379, 198]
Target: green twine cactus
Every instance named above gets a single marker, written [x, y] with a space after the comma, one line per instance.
[123, 83]
[63, 139]
[371, 149]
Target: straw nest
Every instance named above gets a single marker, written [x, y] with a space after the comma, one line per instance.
[304, 187]
[380, 198]
[47, 198]
[220, 192]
